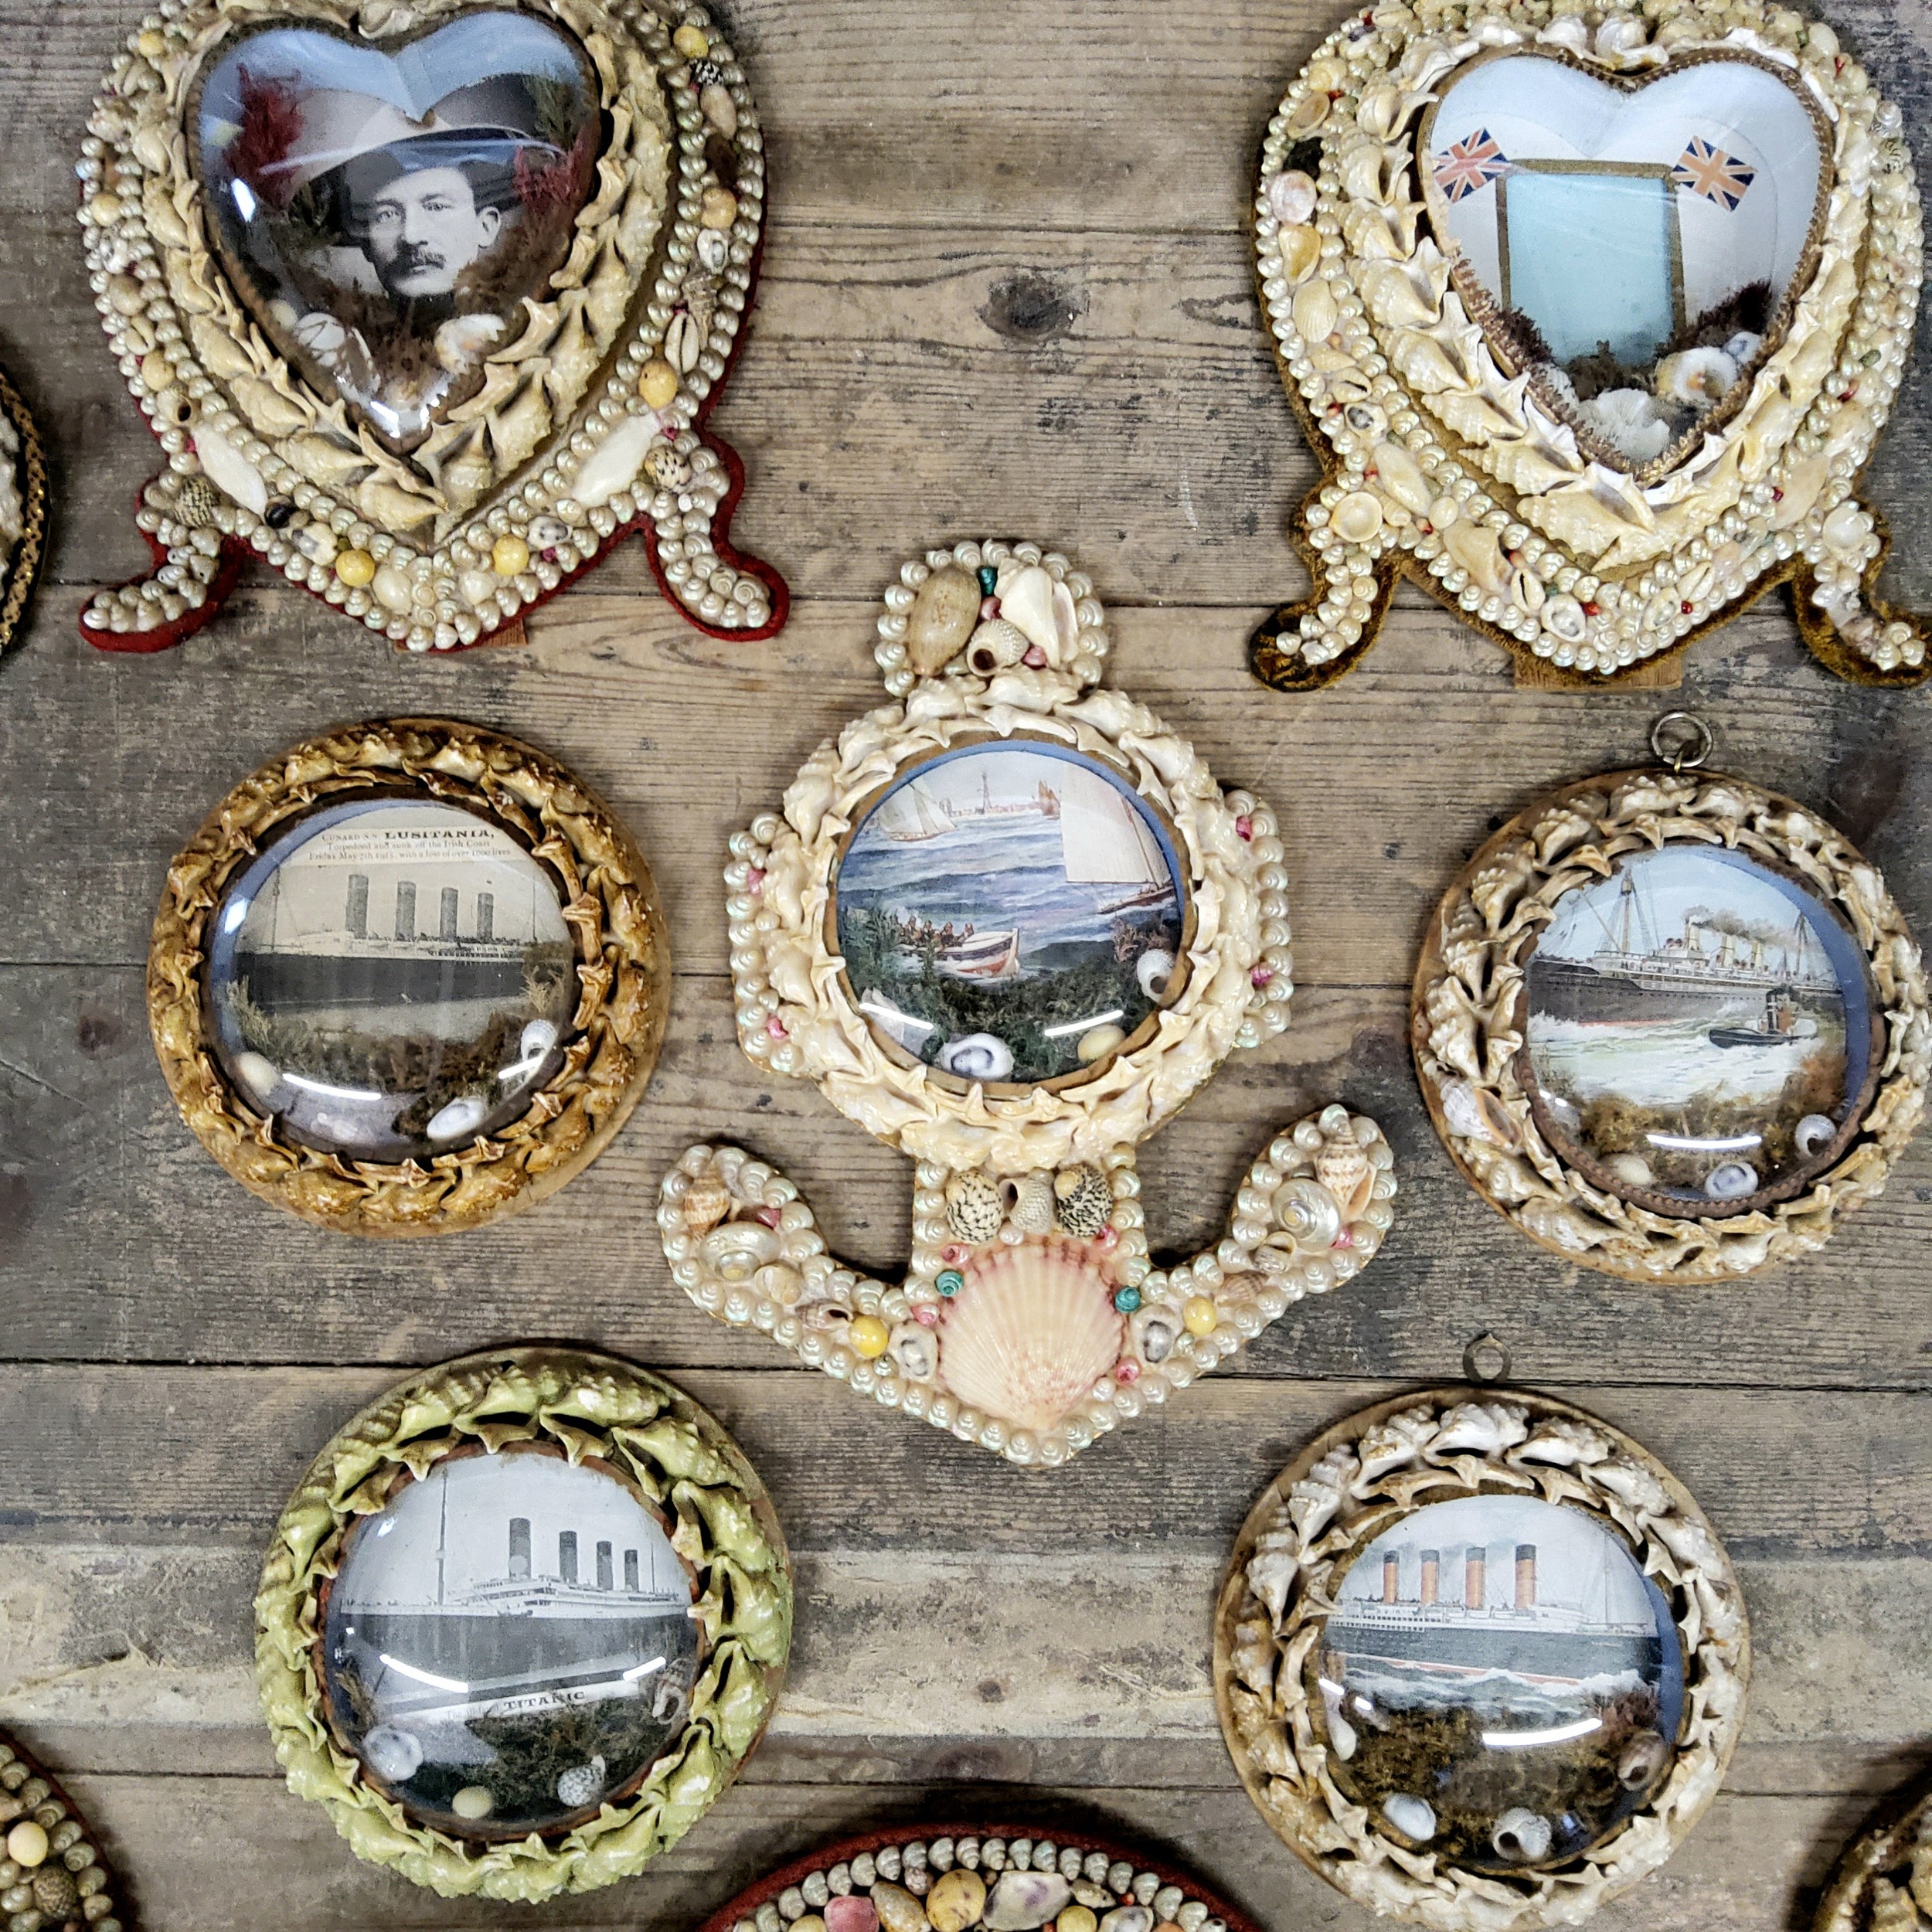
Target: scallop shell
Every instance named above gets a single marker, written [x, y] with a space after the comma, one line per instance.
[1083, 1200]
[977, 1056]
[975, 1211]
[1343, 1170]
[1033, 1203]
[1032, 1330]
[706, 1202]
[736, 1251]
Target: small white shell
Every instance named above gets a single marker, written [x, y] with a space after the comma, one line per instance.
[1154, 969]
[995, 646]
[1563, 617]
[1412, 1817]
[228, 469]
[1642, 1759]
[977, 1056]
[1357, 518]
[1476, 1113]
[1702, 377]
[1026, 602]
[736, 1251]
[1813, 1132]
[1032, 1211]
[1731, 1181]
[915, 1348]
[1632, 1169]
[1521, 1836]
[459, 1119]
[614, 463]
[1290, 195]
[260, 1075]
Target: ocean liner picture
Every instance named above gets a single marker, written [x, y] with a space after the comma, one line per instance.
[1697, 1024]
[1011, 900]
[391, 982]
[1496, 1656]
[510, 1640]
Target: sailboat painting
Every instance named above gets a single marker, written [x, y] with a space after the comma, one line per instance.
[509, 1642]
[1698, 1027]
[1010, 912]
[1499, 1681]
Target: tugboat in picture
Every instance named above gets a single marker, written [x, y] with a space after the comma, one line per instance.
[1783, 1024]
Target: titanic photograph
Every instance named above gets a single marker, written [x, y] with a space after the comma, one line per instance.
[389, 213]
[510, 1642]
[391, 980]
[1500, 1680]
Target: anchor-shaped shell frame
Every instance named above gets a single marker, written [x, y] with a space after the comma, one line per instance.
[260, 463]
[1419, 428]
[1025, 1195]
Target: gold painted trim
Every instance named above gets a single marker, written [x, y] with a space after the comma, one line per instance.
[609, 903]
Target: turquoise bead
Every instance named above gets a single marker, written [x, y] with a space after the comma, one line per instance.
[988, 580]
[949, 1282]
[1127, 1300]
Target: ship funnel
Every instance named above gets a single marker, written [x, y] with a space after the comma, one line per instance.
[1475, 1582]
[1391, 1577]
[630, 1571]
[520, 1546]
[606, 1579]
[1431, 1574]
[566, 1556]
[1526, 1576]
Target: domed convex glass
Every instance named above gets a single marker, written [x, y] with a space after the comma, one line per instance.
[510, 1643]
[1698, 1031]
[391, 978]
[1499, 1684]
[1010, 913]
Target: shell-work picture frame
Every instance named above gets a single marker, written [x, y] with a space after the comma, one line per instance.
[426, 304]
[956, 1877]
[23, 512]
[1480, 1660]
[1883, 1883]
[1592, 321]
[1008, 925]
[410, 975]
[53, 1873]
[532, 1517]
[1672, 1025]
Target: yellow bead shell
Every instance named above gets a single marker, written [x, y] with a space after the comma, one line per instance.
[659, 383]
[508, 555]
[356, 568]
[1200, 1315]
[869, 1335]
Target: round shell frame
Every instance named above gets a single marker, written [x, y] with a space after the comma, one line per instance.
[74, 1881]
[20, 564]
[665, 1446]
[1345, 1489]
[1883, 1883]
[1438, 466]
[1468, 1043]
[260, 461]
[1099, 1875]
[609, 903]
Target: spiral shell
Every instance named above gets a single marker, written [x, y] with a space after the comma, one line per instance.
[1815, 1132]
[1476, 1113]
[1033, 1204]
[974, 1209]
[1343, 1168]
[1521, 1836]
[1082, 1201]
[977, 1056]
[1032, 1330]
[1309, 1216]
[995, 645]
[706, 1202]
[1731, 1181]
[1154, 970]
[737, 1250]
[197, 502]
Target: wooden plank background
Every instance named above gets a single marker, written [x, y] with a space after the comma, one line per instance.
[1007, 292]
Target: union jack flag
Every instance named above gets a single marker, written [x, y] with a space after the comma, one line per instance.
[1473, 163]
[1710, 171]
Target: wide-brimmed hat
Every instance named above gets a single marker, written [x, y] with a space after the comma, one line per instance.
[486, 124]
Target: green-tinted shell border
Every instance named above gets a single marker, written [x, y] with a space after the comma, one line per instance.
[723, 1526]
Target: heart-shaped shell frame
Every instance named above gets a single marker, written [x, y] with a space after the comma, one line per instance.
[658, 1442]
[260, 461]
[1439, 466]
[1346, 1489]
[1466, 1032]
[1883, 1883]
[609, 903]
[914, 1858]
[29, 1791]
[745, 1248]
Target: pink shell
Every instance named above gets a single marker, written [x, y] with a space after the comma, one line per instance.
[850, 1914]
